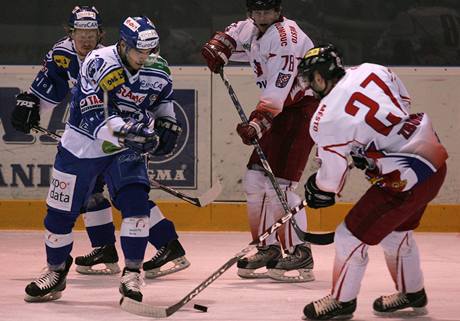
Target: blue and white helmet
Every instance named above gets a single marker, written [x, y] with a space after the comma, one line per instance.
[139, 33]
[85, 17]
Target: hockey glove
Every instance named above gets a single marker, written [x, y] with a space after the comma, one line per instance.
[360, 160]
[218, 50]
[259, 123]
[168, 131]
[315, 197]
[26, 113]
[138, 137]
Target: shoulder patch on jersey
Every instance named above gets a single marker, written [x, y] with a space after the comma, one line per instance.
[282, 80]
[94, 66]
[158, 63]
[61, 61]
[112, 80]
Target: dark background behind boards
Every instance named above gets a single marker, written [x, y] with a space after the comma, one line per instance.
[397, 32]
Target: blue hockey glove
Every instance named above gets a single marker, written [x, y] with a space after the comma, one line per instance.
[168, 130]
[315, 197]
[138, 137]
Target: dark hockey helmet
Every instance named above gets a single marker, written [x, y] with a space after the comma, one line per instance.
[140, 33]
[263, 4]
[324, 58]
[84, 17]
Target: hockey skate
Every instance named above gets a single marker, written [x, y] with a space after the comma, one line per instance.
[389, 305]
[106, 255]
[295, 267]
[248, 266]
[168, 259]
[130, 285]
[49, 285]
[329, 308]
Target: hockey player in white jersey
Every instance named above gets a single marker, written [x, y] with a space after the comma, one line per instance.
[364, 114]
[50, 87]
[93, 145]
[273, 45]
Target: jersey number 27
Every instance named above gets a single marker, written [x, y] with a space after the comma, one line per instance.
[373, 106]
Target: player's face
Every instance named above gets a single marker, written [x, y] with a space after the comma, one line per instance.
[318, 84]
[265, 18]
[85, 40]
[137, 57]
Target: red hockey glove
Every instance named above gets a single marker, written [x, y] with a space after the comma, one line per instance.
[218, 50]
[259, 123]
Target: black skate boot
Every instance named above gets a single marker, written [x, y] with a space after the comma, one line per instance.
[389, 304]
[106, 255]
[295, 267]
[247, 266]
[49, 285]
[130, 285]
[329, 308]
[173, 253]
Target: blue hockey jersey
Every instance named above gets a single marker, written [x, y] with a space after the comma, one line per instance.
[146, 95]
[58, 74]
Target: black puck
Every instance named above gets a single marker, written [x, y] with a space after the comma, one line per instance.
[201, 307]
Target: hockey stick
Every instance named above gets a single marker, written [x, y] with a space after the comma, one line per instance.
[304, 236]
[152, 311]
[208, 197]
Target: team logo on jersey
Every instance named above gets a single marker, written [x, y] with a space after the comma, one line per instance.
[61, 61]
[282, 80]
[247, 46]
[95, 65]
[60, 193]
[112, 80]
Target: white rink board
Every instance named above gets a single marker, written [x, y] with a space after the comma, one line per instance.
[220, 153]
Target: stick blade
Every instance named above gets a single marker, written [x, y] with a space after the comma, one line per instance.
[143, 309]
[210, 195]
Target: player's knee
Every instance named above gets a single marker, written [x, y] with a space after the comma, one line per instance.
[348, 247]
[96, 202]
[133, 200]
[398, 243]
[59, 222]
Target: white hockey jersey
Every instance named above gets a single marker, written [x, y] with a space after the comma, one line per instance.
[274, 56]
[369, 107]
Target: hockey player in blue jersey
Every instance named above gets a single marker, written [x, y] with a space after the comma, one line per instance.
[51, 85]
[141, 120]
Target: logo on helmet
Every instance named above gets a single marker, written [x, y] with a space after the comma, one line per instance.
[132, 24]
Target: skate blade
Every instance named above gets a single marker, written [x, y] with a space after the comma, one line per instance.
[251, 274]
[180, 264]
[406, 313]
[301, 275]
[46, 298]
[109, 269]
[338, 317]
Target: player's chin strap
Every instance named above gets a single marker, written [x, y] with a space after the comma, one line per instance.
[304, 236]
[201, 201]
